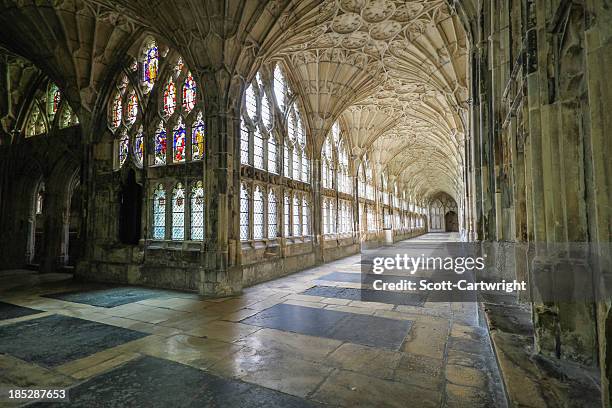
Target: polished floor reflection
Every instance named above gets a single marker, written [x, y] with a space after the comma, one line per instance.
[285, 343]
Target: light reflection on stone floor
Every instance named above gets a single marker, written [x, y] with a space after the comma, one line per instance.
[445, 360]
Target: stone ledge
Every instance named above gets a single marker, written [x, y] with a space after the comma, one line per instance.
[530, 379]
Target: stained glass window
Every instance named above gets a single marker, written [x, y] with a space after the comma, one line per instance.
[169, 98]
[244, 143]
[296, 215]
[197, 138]
[258, 214]
[67, 117]
[251, 103]
[139, 147]
[197, 212]
[280, 87]
[178, 213]
[116, 111]
[131, 109]
[272, 157]
[244, 213]
[179, 137]
[272, 217]
[305, 217]
[124, 146]
[189, 93]
[36, 122]
[159, 213]
[179, 65]
[54, 99]
[286, 214]
[150, 65]
[258, 149]
[160, 144]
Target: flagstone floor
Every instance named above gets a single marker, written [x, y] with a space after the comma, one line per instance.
[284, 343]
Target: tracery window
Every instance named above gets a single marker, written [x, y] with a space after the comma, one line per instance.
[150, 63]
[258, 214]
[124, 145]
[189, 93]
[263, 146]
[257, 141]
[160, 144]
[54, 98]
[169, 98]
[180, 142]
[178, 213]
[197, 138]
[244, 212]
[305, 217]
[286, 215]
[48, 104]
[272, 216]
[159, 213]
[297, 221]
[197, 212]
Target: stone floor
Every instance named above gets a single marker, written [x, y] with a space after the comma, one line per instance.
[284, 343]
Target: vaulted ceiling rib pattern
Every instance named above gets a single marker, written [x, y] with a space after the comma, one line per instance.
[407, 107]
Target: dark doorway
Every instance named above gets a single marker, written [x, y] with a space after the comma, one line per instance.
[130, 199]
[451, 222]
[36, 244]
[74, 227]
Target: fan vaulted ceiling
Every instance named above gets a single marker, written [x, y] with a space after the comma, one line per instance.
[394, 73]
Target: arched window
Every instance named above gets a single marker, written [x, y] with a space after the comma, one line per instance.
[258, 149]
[189, 93]
[244, 143]
[244, 212]
[256, 139]
[251, 103]
[150, 61]
[124, 147]
[197, 212]
[197, 138]
[327, 165]
[297, 222]
[159, 213]
[67, 117]
[169, 98]
[258, 214]
[272, 216]
[131, 109]
[139, 147]
[286, 215]
[160, 144]
[36, 124]
[280, 87]
[305, 217]
[287, 158]
[344, 179]
[272, 156]
[179, 145]
[116, 111]
[54, 98]
[178, 213]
